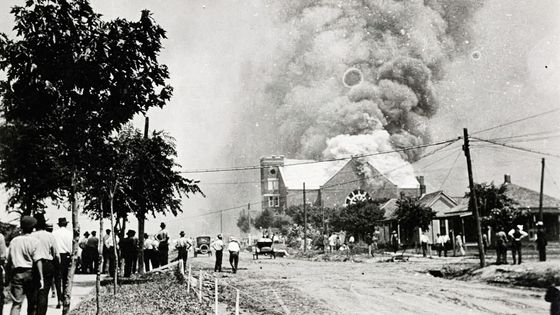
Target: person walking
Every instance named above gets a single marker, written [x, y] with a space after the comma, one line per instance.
[424, 240]
[501, 246]
[218, 247]
[516, 234]
[163, 238]
[93, 249]
[459, 244]
[129, 253]
[541, 241]
[106, 253]
[183, 245]
[63, 238]
[233, 248]
[22, 256]
[47, 253]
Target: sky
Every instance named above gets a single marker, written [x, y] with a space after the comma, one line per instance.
[512, 72]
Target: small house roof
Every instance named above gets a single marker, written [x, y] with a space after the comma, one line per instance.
[527, 198]
[390, 207]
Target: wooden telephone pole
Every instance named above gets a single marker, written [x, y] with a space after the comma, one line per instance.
[541, 193]
[473, 199]
[304, 221]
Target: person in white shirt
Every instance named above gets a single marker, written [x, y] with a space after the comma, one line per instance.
[183, 244]
[63, 238]
[233, 248]
[110, 245]
[424, 240]
[47, 253]
[218, 247]
[516, 234]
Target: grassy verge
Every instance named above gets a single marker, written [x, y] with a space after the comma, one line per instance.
[159, 293]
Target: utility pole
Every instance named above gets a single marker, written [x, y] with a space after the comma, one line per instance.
[304, 221]
[473, 197]
[541, 194]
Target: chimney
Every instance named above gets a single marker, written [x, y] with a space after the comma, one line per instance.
[507, 179]
[422, 188]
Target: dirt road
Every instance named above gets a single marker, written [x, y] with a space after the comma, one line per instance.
[370, 287]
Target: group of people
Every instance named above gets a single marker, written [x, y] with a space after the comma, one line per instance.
[35, 260]
[233, 247]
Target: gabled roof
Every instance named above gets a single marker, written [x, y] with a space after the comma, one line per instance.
[428, 200]
[314, 174]
[400, 175]
[390, 207]
[527, 198]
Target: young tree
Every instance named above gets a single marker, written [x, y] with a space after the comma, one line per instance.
[359, 218]
[244, 222]
[265, 219]
[413, 215]
[315, 215]
[71, 80]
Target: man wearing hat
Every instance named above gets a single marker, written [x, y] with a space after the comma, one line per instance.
[183, 244]
[21, 257]
[47, 253]
[541, 241]
[218, 246]
[233, 248]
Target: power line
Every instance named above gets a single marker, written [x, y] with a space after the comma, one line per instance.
[516, 121]
[517, 147]
[255, 167]
[552, 177]
[450, 169]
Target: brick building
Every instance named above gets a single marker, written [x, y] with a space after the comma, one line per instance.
[331, 184]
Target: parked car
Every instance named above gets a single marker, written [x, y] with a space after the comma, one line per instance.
[202, 245]
[264, 247]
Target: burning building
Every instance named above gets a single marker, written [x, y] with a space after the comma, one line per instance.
[332, 184]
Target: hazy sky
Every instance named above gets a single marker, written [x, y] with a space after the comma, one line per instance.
[513, 72]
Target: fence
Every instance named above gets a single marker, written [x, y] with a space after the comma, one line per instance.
[204, 288]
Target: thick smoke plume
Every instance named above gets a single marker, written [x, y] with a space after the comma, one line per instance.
[395, 50]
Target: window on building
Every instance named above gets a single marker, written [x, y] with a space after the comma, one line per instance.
[273, 184]
[274, 201]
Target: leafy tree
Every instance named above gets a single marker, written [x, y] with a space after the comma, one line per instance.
[359, 218]
[265, 219]
[496, 208]
[315, 215]
[244, 222]
[412, 214]
[71, 80]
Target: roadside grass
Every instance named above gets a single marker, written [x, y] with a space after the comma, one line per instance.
[152, 293]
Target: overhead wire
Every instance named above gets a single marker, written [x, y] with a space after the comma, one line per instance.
[516, 121]
[517, 147]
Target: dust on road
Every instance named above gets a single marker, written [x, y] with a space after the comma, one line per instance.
[371, 287]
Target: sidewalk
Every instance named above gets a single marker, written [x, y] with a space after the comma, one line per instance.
[83, 284]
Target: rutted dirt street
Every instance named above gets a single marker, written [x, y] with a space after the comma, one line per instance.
[296, 286]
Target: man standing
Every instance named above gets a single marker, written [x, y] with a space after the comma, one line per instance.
[47, 253]
[395, 241]
[459, 244]
[85, 254]
[92, 246]
[332, 242]
[424, 243]
[21, 257]
[182, 246]
[541, 241]
[233, 248]
[105, 252]
[516, 234]
[108, 243]
[163, 237]
[63, 238]
[440, 244]
[218, 246]
[128, 249]
[501, 247]
[148, 251]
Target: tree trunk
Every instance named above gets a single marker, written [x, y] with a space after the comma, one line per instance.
[76, 233]
[100, 259]
[116, 256]
[141, 221]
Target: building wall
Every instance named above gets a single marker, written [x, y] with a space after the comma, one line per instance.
[295, 197]
[270, 170]
[348, 179]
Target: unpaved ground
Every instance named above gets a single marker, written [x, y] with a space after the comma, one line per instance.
[295, 286]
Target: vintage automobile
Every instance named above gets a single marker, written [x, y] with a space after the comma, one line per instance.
[202, 245]
[263, 247]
